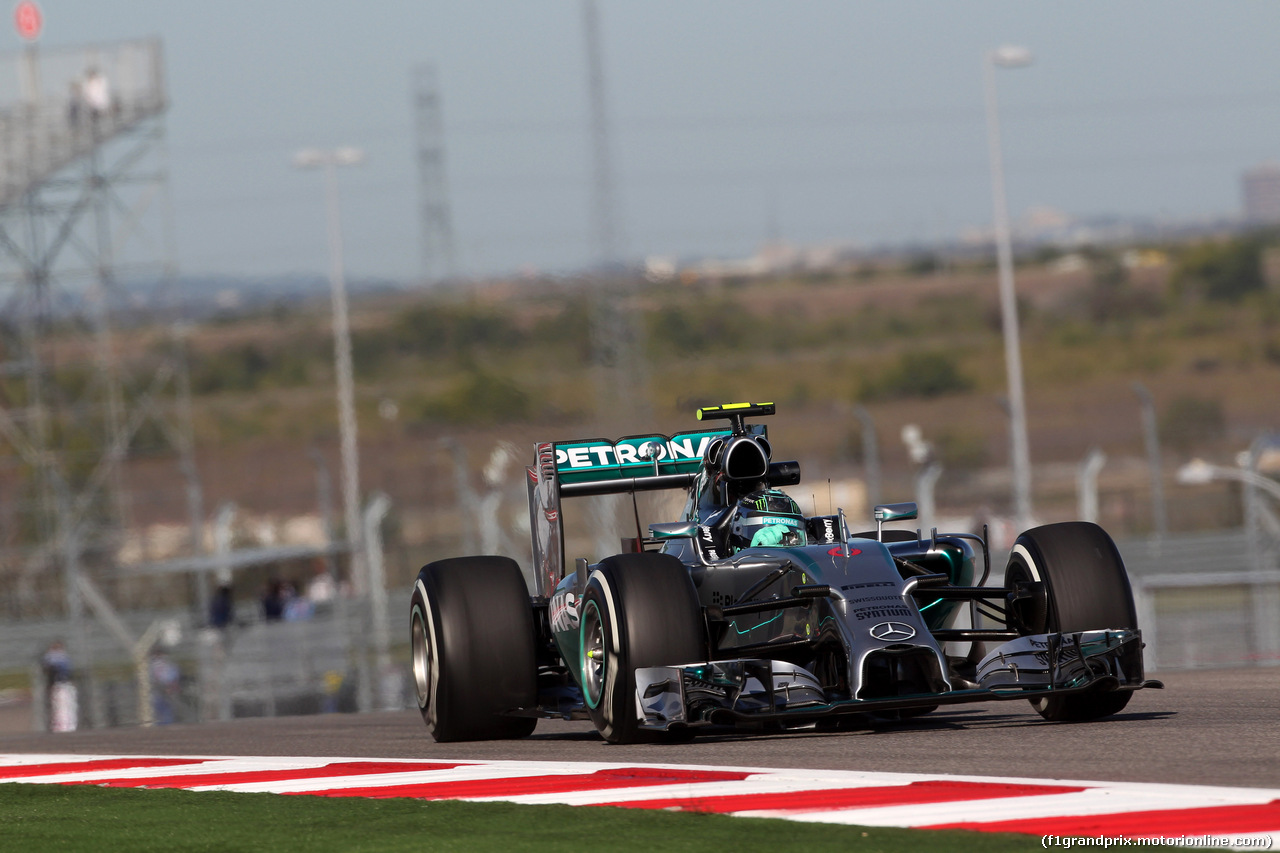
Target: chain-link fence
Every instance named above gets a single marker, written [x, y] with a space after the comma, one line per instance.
[1207, 600]
[1203, 601]
[320, 662]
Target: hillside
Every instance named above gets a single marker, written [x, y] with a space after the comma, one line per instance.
[913, 344]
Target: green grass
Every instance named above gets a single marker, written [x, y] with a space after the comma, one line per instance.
[58, 817]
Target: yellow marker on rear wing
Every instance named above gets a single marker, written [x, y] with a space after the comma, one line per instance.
[735, 410]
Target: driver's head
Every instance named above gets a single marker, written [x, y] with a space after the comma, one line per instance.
[764, 518]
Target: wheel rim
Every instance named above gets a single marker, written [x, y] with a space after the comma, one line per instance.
[593, 651]
[1029, 617]
[421, 658]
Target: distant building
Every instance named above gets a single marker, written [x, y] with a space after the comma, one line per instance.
[1261, 188]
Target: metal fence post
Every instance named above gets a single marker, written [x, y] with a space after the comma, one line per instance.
[1265, 613]
[1145, 605]
[1087, 484]
[373, 515]
[39, 699]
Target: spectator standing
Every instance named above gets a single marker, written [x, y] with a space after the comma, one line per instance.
[222, 609]
[296, 607]
[322, 588]
[164, 688]
[96, 93]
[62, 701]
[273, 602]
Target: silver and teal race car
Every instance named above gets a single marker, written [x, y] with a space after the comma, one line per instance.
[747, 613]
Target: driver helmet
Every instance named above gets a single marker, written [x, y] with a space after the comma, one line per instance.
[765, 518]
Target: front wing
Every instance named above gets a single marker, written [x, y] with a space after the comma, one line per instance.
[757, 690]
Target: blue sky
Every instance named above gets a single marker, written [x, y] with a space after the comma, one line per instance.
[825, 121]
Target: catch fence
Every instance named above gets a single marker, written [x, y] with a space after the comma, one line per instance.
[1205, 600]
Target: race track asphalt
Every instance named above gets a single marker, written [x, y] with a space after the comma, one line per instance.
[1219, 727]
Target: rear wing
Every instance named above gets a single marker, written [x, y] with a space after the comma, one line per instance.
[598, 466]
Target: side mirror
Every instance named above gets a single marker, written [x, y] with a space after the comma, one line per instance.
[897, 512]
[674, 529]
[894, 512]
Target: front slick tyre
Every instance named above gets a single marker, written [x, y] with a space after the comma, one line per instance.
[1085, 589]
[638, 610]
[472, 639]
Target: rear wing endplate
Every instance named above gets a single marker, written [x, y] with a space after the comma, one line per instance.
[598, 466]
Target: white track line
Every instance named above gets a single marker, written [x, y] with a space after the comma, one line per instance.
[1022, 802]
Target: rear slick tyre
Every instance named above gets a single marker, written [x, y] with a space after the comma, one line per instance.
[1085, 589]
[638, 610]
[472, 640]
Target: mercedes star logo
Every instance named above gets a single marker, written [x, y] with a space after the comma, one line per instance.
[893, 632]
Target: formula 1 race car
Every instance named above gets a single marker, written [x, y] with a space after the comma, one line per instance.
[747, 613]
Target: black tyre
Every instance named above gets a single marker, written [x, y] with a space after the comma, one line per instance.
[1085, 589]
[638, 610]
[472, 638]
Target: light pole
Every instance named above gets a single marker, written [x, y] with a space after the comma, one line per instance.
[1008, 57]
[1197, 472]
[1087, 481]
[922, 453]
[329, 161]
[870, 454]
[1152, 438]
